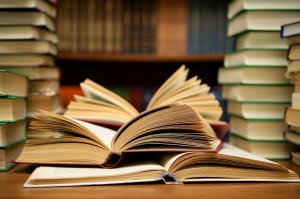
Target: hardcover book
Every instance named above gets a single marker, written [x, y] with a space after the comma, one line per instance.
[230, 164]
[173, 127]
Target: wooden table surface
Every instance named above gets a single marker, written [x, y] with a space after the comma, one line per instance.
[11, 186]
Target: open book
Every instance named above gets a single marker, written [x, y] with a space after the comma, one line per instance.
[229, 164]
[102, 106]
[173, 127]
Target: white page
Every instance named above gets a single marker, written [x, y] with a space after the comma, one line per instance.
[105, 134]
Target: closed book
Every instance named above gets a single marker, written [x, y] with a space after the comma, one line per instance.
[38, 5]
[36, 72]
[8, 154]
[292, 136]
[290, 29]
[291, 116]
[26, 60]
[257, 129]
[40, 101]
[238, 6]
[33, 18]
[261, 20]
[27, 47]
[252, 75]
[293, 52]
[260, 40]
[12, 108]
[257, 110]
[29, 32]
[12, 132]
[257, 93]
[292, 67]
[270, 149]
[13, 84]
[252, 57]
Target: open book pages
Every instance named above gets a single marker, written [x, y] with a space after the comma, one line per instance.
[173, 127]
[102, 106]
[229, 164]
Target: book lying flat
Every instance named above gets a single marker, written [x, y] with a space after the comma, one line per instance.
[173, 127]
[260, 20]
[13, 84]
[228, 165]
[257, 129]
[28, 47]
[270, 149]
[27, 33]
[253, 75]
[26, 60]
[36, 5]
[239, 6]
[257, 93]
[27, 18]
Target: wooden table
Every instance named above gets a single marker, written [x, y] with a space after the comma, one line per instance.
[11, 186]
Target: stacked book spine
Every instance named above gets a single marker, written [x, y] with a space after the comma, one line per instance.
[291, 34]
[13, 95]
[28, 46]
[253, 79]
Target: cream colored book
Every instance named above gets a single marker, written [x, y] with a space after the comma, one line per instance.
[261, 20]
[38, 5]
[252, 75]
[173, 127]
[256, 57]
[238, 6]
[230, 164]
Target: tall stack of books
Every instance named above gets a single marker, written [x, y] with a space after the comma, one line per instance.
[253, 77]
[291, 33]
[28, 46]
[13, 94]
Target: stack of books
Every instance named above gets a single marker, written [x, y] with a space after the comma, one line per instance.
[28, 46]
[13, 94]
[253, 77]
[291, 33]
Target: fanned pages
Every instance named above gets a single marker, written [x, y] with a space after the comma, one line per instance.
[102, 106]
[173, 127]
[230, 164]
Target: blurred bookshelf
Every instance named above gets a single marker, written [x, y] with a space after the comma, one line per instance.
[132, 43]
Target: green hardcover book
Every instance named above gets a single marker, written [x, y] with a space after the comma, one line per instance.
[257, 129]
[10, 153]
[261, 20]
[238, 6]
[262, 58]
[12, 132]
[12, 108]
[257, 93]
[257, 110]
[270, 149]
[253, 75]
[13, 84]
[267, 40]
